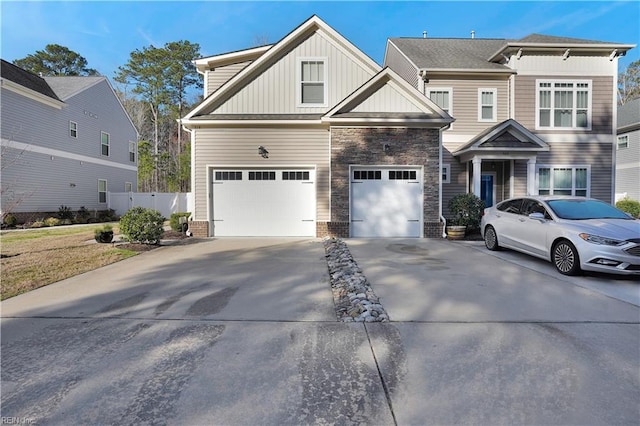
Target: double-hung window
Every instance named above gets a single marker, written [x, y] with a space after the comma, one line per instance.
[563, 104]
[102, 191]
[442, 97]
[445, 169]
[104, 143]
[487, 100]
[73, 129]
[132, 152]
[313, 82]
[564, 180]
[623, 142]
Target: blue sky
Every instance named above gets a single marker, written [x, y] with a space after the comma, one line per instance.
[105, 33]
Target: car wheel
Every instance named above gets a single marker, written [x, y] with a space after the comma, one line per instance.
[491, 239]
[565, 258]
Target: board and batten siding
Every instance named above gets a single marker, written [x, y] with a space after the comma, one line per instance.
[387, 99]
[464, 106]
[398, 62]
[219, 76]
[601, 101]
[274, 91]
[239, 148]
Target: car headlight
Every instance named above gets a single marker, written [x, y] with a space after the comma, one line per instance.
[597, 239]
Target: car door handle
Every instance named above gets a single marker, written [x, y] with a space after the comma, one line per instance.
[521, 219]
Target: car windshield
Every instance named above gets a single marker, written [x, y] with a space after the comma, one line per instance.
[585, 209]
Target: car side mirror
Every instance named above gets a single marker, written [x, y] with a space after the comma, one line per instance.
[536, 216]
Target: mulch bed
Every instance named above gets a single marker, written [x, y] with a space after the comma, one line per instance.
[167, 235]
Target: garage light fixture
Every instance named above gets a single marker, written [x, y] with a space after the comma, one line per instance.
[386, 148]
[262, 151]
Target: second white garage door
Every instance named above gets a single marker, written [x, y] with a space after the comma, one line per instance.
[264, 203]
[386, 202]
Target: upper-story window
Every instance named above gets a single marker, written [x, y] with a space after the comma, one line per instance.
[487, 100]
[73, 129]
[104, 143]
[623, 142]
[132, 152]
[442, 97]
[446, 173]
[313, 82]
[563, 104]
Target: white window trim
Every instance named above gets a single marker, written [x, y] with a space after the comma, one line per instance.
[622, 140]
[135, 153]
[494, 105]
[108, 144]
[573, 168]
[299, 62]
[575, 83]
[429, 89]
[106, 191]
[446, 171]
[70, 129]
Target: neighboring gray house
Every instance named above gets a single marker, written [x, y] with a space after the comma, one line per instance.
[309, 137]
[65, 141]
[628, 153]
[533, 116]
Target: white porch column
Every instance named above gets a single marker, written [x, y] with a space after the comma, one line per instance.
[476, 171]
[531, 176]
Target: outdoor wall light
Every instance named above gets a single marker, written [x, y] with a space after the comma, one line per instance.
[262, 151]
[386, 148]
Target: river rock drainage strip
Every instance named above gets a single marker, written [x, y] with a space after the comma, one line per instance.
[353, 297]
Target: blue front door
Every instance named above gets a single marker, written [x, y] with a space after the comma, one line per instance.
[486, 190]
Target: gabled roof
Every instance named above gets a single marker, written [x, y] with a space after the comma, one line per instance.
[451, 53]
[26, 79]
[251, 54]
[66, 87]
[506, 136]
[416, 108]
[275, 52]
[629, 116]
[486, 54]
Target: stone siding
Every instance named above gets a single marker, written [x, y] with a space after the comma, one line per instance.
[365, 146]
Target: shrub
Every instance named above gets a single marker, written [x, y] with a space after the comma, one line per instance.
[466, 210]
[107, 215]
[10, 220]
[65, 212]
[83, 215]
[104, 234]
[174, 220]
[630, 206]
[142, 225]
[51, 221]
[37, 224]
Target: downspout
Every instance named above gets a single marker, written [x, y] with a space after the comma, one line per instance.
[192, 199]
[442, 218]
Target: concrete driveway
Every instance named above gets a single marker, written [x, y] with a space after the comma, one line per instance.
[244, 332]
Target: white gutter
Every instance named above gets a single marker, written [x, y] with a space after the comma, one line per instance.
[442, 218]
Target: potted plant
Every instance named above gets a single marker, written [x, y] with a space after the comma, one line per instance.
[104, 234]
[466, 210]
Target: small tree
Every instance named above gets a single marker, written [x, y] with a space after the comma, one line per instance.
[629, 206]
[466, 210]
[142, 225]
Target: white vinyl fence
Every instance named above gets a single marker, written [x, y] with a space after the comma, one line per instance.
[165, 203]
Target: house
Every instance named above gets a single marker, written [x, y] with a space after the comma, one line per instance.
[532, 116]
[628, 151]
[65, 141]
[310, 137]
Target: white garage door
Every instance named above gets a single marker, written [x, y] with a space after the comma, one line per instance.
[264, 203]
[386, 202]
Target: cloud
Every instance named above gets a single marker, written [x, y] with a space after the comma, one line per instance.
[147, 37]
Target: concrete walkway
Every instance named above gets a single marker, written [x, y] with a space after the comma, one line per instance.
[244, 332]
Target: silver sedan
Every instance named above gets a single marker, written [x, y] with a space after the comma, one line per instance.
[574, 233]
